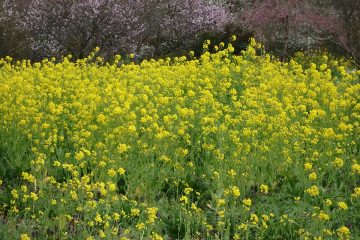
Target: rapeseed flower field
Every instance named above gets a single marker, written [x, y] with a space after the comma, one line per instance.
[222, 146]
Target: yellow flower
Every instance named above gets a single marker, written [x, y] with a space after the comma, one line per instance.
[327, 232]
[220, 202]
[152, 214]
[313, 191]
[308, 166]
[188, 190]
[323, 66]
[28, 177]
[247, 202]
[356, 193]
[135, 212]
[329, 133]
[254, 219]
[243, 227]
[236, 236]
[102, 234]
[235, 191]
[155, 236]
[184, 199]
[264, 188]
[73, 195]
[101, 118]
[323, 216]
[342, 205]
[24, 188]
[98, 218]
[122, 148]
[230, 48]
[121, 171]
[217, 118]
[80, 155]
[343, 231]
[116, 216]
[140, 226]
[24, 237]
[34, 196]
[56, 164]
[111, 186]
[338, 162]
[328, 202]
[232, 173]
[265, 217]
[313, 176]
[356, 168]
[112, 172]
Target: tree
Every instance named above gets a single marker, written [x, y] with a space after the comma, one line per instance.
[295, 22]
[13, 38]
[148, 28]
[59, 27]
[349, 13]
[172, 26]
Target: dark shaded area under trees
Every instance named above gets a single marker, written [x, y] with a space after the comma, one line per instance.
[36, 29]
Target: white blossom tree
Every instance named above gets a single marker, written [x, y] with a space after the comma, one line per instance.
[144, 27]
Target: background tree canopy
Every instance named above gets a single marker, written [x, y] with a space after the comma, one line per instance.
[35, 29]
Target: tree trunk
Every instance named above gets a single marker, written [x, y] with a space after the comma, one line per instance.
[286, 40]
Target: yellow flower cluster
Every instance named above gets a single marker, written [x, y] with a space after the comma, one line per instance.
[220, 146]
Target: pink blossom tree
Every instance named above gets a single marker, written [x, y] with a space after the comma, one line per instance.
[348, 11]
[287, 21]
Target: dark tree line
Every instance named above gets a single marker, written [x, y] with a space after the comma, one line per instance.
[35, 29]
